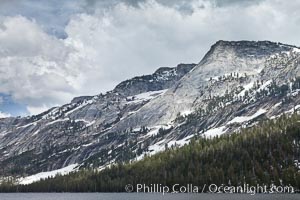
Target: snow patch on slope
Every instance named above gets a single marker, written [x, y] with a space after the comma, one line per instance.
[211, 133]
[155, 129]
[296, 50]
[246, 88]
[58, 120]
[263, 86]
[146, 96]
[43, 175]
[242, 119]
[186, 112]
[182, 142]
[85, 103]
[161, 146]
[292, 110]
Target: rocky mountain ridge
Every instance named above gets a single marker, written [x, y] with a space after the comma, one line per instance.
[62, 131]
[236, 84]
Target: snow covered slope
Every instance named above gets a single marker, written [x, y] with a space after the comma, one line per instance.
[243, 57]
[77, 131]
[236, 84]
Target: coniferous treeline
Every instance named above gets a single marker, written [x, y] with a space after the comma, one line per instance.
[265, 154]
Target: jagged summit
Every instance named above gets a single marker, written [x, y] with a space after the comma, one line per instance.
[180, 67]
[224, 58]
[161, 79]
[236, 84]
[245, 43]
[81, 99]
[264, 44]
[244, 48]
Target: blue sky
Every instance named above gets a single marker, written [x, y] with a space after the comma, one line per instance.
[7, 105]
[52, 51]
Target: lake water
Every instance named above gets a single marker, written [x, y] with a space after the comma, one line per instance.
[127, 196]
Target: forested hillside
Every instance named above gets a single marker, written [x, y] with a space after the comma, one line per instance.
[236, 84]
[263, 154]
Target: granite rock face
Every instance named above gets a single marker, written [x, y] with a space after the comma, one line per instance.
[236, 84]
[163, 78]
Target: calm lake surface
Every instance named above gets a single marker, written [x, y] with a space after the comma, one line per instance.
[127, 196]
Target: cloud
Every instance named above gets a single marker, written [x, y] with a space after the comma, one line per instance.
[4, 115]
[108, 44]
[127, 40]
[32, 64]
[54, 15]
[37, 109]
[51, 15]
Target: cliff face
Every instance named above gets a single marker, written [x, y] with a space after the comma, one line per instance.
[74, 132]
[236, 84]
[163, 78]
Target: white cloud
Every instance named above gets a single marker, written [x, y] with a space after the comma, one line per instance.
[34, 110]
[32, 64]
[4, 115]
[105, 48]
[126, 40]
